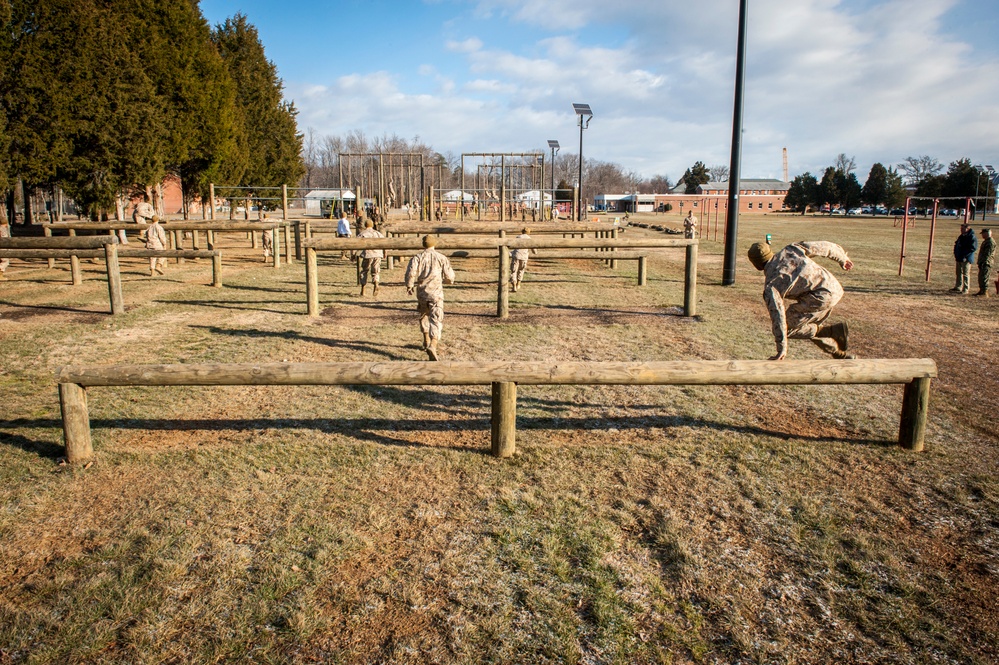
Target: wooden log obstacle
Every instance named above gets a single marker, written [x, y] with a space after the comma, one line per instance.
[175, 231]
[74, 249]
[501, 245]
[504, 377]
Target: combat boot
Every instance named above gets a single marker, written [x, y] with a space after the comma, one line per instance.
[362, 289]
[843, 355]
[375, 291]
[432, 350]
[426, 341]
[839, 332]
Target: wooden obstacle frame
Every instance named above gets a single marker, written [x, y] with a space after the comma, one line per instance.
[502, 245]
[504, 377]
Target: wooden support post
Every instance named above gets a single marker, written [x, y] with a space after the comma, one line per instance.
[284, 203]
[253, 238]
[48, 234]
[210, 238]
[503, 295]
[504, 419]
[642, 271]
[217, 269]
[114, 278]
[915, 406]
[211, 200]
[75, 422]
[287, 244]
[298, 240]
[312, 281]
[74, 267]
[613, 263]
[275, 245]
[690, 282]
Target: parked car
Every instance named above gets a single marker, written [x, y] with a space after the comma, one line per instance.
[867, 210]
[898, 212]
[880, 210]
[855, 211]
[837, 211]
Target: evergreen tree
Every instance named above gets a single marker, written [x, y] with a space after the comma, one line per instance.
[803, 192]
[275, 147]
[829, 187]
[694, 176]
[875, 190]
[895, 193]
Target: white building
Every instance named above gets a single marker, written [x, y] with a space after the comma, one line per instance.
[319, 202]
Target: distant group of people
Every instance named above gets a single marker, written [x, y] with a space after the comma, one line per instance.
[964, 255]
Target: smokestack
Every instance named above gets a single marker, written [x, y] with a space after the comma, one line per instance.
[785, 165]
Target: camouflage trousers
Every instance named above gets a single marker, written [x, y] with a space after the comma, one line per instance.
[809, 312]
[370, 268]
[431, 317]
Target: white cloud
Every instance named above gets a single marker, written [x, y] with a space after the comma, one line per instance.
[878, 80]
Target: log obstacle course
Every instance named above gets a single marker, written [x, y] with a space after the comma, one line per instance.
[175, 233]
[501, 245]
[914, 373]
[74, 249]
[95, 247]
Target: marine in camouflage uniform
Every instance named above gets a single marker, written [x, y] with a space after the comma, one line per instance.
[986, 257]
[518, 260]
[426, 274]
[800, 294]
[371, 259]
[690, 226]
[155, 237]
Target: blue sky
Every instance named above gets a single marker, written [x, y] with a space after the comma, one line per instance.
[878, 80]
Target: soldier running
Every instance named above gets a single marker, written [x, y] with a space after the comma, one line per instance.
[791, 275]
[155, 237]
[371, 259]
[426, 274]
[518, 260]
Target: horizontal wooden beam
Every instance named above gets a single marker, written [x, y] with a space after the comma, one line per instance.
[464, 242]
[68, 242]
[170, 253]
[545, 254]
[169, 226]
[537, 228]
[674, 372]
[51, 253]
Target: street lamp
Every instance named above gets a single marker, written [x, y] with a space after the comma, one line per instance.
[553, 144]
[978, 168]
[991, 179]
[583, 111]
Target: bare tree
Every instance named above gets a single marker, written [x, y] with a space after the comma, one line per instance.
[719, 173]
[845, 165]
[918, 169]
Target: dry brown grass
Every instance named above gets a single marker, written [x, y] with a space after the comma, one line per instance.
[370, 525]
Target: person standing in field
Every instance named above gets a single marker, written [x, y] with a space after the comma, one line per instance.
[518, 260]
[155, 237]
[986, 256]
[964, 254]
[371, 259]
[800, 294]
[343, 231]
[426, 274]
[266, 240]
[690, 225]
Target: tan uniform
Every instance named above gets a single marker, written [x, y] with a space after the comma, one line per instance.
[801, 294]
[371, 259]
[518, 262]
[690, 226]
[428, 271]
[267, 243]
[155, 237]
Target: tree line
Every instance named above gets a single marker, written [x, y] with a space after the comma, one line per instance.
[922, 177]
[105, 99]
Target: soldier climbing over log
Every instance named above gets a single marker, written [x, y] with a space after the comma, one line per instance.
[800, 294]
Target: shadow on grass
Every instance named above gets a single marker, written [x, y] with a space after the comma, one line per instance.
[24, 311]
[379, 430]
[388, 351]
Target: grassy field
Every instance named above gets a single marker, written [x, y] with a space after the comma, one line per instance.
[739, 524]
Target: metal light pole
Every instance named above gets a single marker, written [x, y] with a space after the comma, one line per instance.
[583, 111]
[978, 180]
[991, 179]
[553, 144]
[732, 214]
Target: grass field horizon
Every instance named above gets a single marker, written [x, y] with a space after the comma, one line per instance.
[635, 524]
